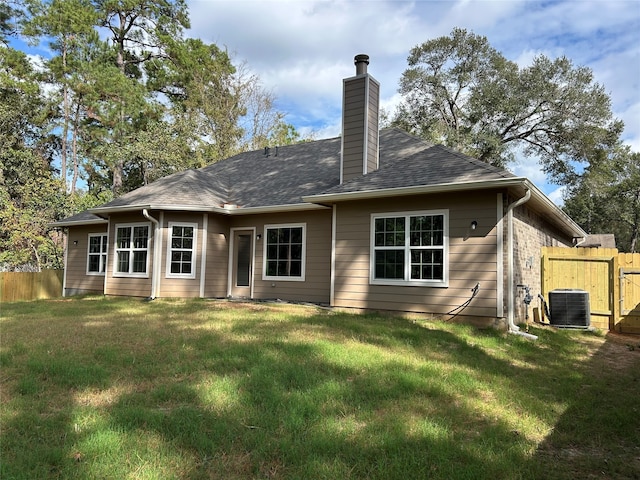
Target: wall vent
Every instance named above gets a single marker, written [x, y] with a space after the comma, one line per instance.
[569, 308]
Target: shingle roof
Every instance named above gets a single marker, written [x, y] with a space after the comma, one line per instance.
[249, 179]
[82, 218]
[252, 179]
[430, 165]
[187, 188]
[310, 172]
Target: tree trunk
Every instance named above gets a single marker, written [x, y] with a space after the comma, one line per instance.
[118, 170]
[74, 149]
[65, 122]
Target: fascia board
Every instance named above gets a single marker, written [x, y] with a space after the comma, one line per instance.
[99, 221]
[220, 210]
[295, 207]
[151, 206]
[416, 190]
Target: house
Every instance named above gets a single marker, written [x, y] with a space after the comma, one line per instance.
[601, 240]
[374, 219]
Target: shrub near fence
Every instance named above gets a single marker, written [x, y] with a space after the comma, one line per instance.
[30, 285]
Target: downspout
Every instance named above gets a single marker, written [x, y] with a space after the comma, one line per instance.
[513, 328]
[156, 251]
[580, 242]
[65, 239]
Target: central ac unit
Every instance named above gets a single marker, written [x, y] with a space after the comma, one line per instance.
[569, 308]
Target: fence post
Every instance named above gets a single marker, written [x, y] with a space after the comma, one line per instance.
[615, 293]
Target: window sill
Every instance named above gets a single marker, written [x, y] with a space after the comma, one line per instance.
[283, 279]
[413, 283]
[130, 275]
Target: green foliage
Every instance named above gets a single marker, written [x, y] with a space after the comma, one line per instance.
[117, 111]
[30, 196]
[606, 197]
[461, 92]
[9, 15]
[199, 80]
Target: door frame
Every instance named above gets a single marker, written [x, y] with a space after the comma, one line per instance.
[232, 256]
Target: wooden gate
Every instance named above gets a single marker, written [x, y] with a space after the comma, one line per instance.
[611, 278]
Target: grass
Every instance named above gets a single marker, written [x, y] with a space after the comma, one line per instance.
[121, 388]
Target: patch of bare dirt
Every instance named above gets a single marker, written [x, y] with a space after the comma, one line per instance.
[619, 351]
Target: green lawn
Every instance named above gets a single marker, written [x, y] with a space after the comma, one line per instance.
[120, 388]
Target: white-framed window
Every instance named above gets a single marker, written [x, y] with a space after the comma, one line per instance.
[410, 248]
[97, 254]
[284, 252]
[132, 250]
[181, 250]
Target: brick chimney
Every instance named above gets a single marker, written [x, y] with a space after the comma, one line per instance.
[360, 122]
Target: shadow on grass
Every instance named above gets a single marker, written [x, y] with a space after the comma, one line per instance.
[295, 413]
[202, 390]
[598, 436]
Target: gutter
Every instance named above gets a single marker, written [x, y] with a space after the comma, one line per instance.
[63, 224]
[417, 189]
[513, 328]
[155, 275]
[229, 211]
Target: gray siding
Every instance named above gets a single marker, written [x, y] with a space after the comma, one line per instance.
[77, 280]
[180, 287]
[316, 286]
[128, 286]
[472, 256]
[216, 262]
[217, 257]
[360, 126]
[373, 126]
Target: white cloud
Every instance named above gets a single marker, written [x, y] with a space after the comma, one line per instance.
[303, 49]
[530, 168]
[37, 62]
[557, 196]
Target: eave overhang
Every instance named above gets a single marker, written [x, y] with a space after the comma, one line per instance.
[75, 223]
[517, 184]
[230, 210]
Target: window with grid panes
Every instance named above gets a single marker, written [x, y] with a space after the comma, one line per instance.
[182, 250]
[132, 250]
[409, 248]
[284, 252]
[97, 254]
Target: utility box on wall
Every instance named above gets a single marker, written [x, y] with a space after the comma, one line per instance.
[569, 308]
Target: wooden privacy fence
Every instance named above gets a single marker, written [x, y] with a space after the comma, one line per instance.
[30, 285]
[611, 278]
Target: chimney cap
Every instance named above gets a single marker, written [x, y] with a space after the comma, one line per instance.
[361, 61]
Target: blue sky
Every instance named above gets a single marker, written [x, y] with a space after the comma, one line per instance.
[302, 49]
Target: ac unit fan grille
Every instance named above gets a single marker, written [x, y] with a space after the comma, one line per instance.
[569, 308]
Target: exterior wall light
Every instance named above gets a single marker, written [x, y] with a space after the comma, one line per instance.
[474, 225]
